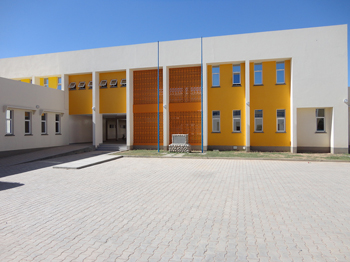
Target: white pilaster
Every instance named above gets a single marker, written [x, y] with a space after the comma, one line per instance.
[97, 121]
[293, 114]
[35, 80]
[205, 105]
[247, 105]
[166, 141]
[129, 109]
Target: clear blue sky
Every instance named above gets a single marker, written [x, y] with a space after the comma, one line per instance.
[29, 27]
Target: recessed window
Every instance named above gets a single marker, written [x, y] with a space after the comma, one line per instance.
[44, 124]
[57, 124]
[90, 85]
[257, 74]
[113, 83]
[9, 122]
[236, 121]
[46, 82]
[123, 83]
[27, 123]
[281, 120]
[258, 121]
[236, 77]
[59, 83]
[216, 76]
[280, 73]
[216, 121]
[320, 120]
[81, 85]
[103, 84]
[72, 86]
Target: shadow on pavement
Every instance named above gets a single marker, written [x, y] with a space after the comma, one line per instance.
[9, 185]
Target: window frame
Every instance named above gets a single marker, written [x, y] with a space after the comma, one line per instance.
[215, 117]
[43, 121]
[262, 121]
[235, 73]
[72, 86]
[113, 83]
[212, 76]
[46, 84]
[29, 123]
[104, 85]
[10, 119]
[59, 83]
[281, 118]
[321, 117]
[57, 124]
[258, 71]
[235, 118]
[82, 85]
[123, 82]
[90, 84]
[284, 73]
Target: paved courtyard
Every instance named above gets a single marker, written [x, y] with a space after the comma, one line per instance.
[138, 209]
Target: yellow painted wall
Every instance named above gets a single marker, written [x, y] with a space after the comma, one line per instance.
[53, 81]
[80, 101]
[269, 97]
[27, 80]
[113, 100]
[225, 99]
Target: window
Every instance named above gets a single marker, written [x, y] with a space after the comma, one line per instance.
[81, 85]
[113, 83]
[236, 69]
[72, 86]
[280, 73]
[27, 123]
[31, 81]
[258, 125]
[216, 76]
[123, 83]
[9, 122]
[103, 84]
[59, 83]
[320, 120]
[46, 82]
[237, 121]
[90, 85]
[43, 124]
[57, 124]
[257, 74]
[281, 120]
[216, 121]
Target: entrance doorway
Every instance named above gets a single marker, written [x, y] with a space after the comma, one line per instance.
[114, 129]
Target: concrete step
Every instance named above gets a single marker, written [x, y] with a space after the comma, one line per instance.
[111, 147]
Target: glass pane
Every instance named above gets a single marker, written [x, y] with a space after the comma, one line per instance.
[320, 124]
[280, 65]
[258, 113]
[280, 113]
[320, 112]
[27, 115]
[57, 117]
[43, 116]
[59, 80]
[236, 79]
[280, 125]
[217, 126]
[8, 127]
[57, 128]
[258, 67]
[258, 78]
[26, 127]
[59, 87]
[280, 76]
[236, 69]
[216, 69]
[236, 112]
[258, 125]
[216, 113]
[237, 125]
[43, 127]
[216, 80]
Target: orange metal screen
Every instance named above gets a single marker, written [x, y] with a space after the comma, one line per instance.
[145, 87]
[145, 128]
[185, 84]
[186, 122]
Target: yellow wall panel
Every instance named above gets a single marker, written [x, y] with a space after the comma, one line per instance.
[113, 100]
[269, 97]
[27, 80]
[80, 101]
[225, 99]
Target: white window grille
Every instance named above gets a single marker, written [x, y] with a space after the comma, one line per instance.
[57, 124]
[9, 122]
[43, 123]
[236, 121]
[280, 75]
[258, 121]
[216, 76]
[236, 77]
[72, 86]
[27, 123]
[113, 83]
[46, 82]
[281, 120]
[320, 120]
[123, 83]
[258, 77]
[81, 85]
[103, 84]
[216, 122]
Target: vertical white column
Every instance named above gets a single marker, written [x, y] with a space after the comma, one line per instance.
[97, 128]
[293, 114]
[35, 80]
[166, 112]
[333, 151]
[65, 120]
[247, 105]
[205, 104]
[129, 109]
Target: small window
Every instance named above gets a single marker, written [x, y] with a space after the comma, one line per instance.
[216, 76]
[90, 85]
[103, 84]
[27, 123]
[237, 121]
[236, 77]
[281, 120]
[81, 85]
[258, 121]
[57, 124]
[72, 86]
[320, 120]
[123, 83]
[258, 74]
[216, 121]
[280, 73]
[43, 124]
[113, 83]
[31, 81]
[59, 83]
[9, 122]
[46, 82]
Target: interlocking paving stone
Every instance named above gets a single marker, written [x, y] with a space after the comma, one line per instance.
[153, 209]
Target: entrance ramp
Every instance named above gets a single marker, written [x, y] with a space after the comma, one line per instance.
[91, 161]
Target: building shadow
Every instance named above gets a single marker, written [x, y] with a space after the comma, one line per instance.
[9, 185]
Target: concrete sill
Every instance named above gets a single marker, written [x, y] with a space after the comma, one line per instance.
[236, 85]
[280, 84]
[215, 132]
[215, 87]
[259, 85]
[281, 132]
[236, 132]
[320, 132]
[9, 135]
[28, 135]
[58, 134]
[259, 132]
[44, 134]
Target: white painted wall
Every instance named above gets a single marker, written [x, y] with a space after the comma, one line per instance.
[80, 129]
[28, 96]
